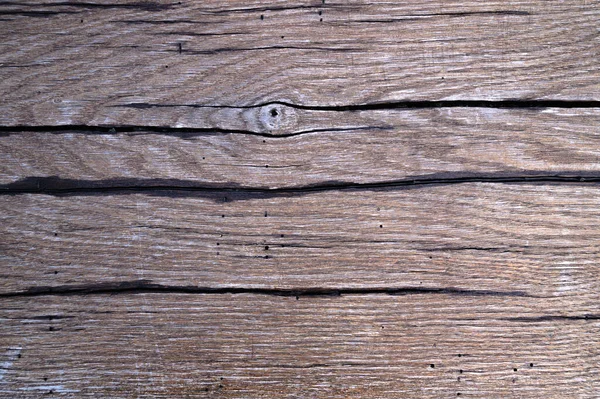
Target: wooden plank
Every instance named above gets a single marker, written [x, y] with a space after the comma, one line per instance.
[299, 199]
[101, 63]
[239, 346]
[358, 147]
[529, 239]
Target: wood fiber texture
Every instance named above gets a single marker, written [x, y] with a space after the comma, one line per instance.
[326, 147]
[535, 239]
[161, 63]
[300, 199]
[234, 346]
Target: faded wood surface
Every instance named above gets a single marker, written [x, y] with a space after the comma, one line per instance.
[104, 63]
[299, 199]
[238, 346]
[533, 239]
[325, 146]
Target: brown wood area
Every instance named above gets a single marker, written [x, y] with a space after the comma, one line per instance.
[300, 199]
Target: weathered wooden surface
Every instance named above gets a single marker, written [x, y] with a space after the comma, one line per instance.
[300, 199]
[107, 62]
[535, 239]
[359, 147]
[239, 346]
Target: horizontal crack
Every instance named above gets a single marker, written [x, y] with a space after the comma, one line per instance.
[550, 318]
[5, 130]
[387, 105]
[147, 286]
[182, 132]
[57, 186]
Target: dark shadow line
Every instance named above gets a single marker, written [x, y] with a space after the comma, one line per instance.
[182, 132]
[85, 129]
[146, 286]
[53, 185]
[263, 48]
[36, 14]
[551, 318]
[139, 5]
[387, 105]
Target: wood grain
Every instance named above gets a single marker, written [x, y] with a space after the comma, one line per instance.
[299, 199]
[325, 146]
[236, 346]
[522, 239]
[103, 63]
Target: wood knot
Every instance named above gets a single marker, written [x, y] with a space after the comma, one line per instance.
[278, 118]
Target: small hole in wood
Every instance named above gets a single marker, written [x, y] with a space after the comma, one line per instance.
[266, 214]
[321, 20]
[515, 369]
[56, 272]
[320, 12]
[381, 226]
[432, 365]
[222, 216]
[274, 113]
[262, 17]
[266, 247]
[50, 328]
[530, 364]
[45, 378]
[460, 371]
[19, 356]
